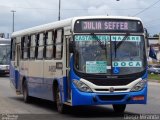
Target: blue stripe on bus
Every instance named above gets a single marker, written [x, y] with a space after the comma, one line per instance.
[14, 76]
[43, 87]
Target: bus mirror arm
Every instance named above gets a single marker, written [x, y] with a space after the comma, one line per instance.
[146, 37]
[71, 46]
[15, 65]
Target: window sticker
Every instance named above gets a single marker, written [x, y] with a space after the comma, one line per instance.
[116, 70]
[92, 38]
[96, 67]
[129, 38]
[106, 38]
[127, 64]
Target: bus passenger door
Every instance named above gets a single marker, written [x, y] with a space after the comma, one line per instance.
[17, 56]
[68, 54]
[16, 64]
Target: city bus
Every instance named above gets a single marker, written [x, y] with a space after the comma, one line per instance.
[4, 56]
[90, 60]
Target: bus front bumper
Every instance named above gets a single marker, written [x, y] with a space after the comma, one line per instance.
[4, 72]
[84, 98]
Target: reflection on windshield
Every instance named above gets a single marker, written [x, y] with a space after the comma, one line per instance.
[90, 57]
[129, 54]
[4, 54]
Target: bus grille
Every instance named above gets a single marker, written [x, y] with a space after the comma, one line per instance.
[107, 90]
[111, 82]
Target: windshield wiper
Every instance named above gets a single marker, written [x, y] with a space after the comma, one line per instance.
[104, 47]
[99, 41]
[116, 46]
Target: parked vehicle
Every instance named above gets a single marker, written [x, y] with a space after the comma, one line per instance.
[154, 69]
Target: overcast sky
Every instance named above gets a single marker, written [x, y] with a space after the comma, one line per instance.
[31, 13]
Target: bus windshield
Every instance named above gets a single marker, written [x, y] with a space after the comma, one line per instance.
[4, 54]
[99, 54]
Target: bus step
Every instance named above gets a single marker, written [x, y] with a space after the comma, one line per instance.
[68, 103]
[69, 100]
[18, 92]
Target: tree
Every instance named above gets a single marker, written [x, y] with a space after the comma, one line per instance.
[155, 35]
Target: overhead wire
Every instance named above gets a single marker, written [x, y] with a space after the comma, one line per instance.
[73, 8]
[147, 8]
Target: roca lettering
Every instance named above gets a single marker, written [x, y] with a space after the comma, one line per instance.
[127, 64]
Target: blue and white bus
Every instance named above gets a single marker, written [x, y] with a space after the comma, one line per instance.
[4, 56]
[92, 60]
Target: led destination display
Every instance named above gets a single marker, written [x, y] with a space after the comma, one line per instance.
[108, 26]
[102, 25]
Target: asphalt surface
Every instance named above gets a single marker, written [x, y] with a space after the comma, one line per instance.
[12, 106]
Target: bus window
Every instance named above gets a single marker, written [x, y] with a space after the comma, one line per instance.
[58, 44]
[13, 49]
[25, 47]
[49, 45]
[32, 46]
[22, 46]
[40, 46]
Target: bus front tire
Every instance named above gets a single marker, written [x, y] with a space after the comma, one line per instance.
[26, 97]
[60, 106]
[119, 108]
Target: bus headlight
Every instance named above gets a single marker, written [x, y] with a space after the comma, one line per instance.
[81, 86]
[139, 86]
[2, 68]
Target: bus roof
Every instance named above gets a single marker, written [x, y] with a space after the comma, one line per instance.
[4, 39]
[44, 27]
[107, 17]
[65, 23]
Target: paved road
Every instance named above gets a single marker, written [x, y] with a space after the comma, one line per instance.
[10, 103]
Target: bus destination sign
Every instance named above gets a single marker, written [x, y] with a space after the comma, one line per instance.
[108, 26]
[102, 25]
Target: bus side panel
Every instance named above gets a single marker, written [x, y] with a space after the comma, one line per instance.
[44, 91]
[47, 89]
[65, 89]
[35, 78]
[52, 73]
[14, 75]
[49, 77]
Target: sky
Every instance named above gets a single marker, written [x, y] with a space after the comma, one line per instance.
[30, 13]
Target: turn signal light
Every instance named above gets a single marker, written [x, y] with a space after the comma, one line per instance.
[138, 98]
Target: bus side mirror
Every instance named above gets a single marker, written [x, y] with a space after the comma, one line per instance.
[71, 46]
[146, 37]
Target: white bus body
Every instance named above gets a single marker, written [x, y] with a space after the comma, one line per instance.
[42, 65]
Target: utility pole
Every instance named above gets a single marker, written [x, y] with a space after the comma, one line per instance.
[13, 11]
[59, 11]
